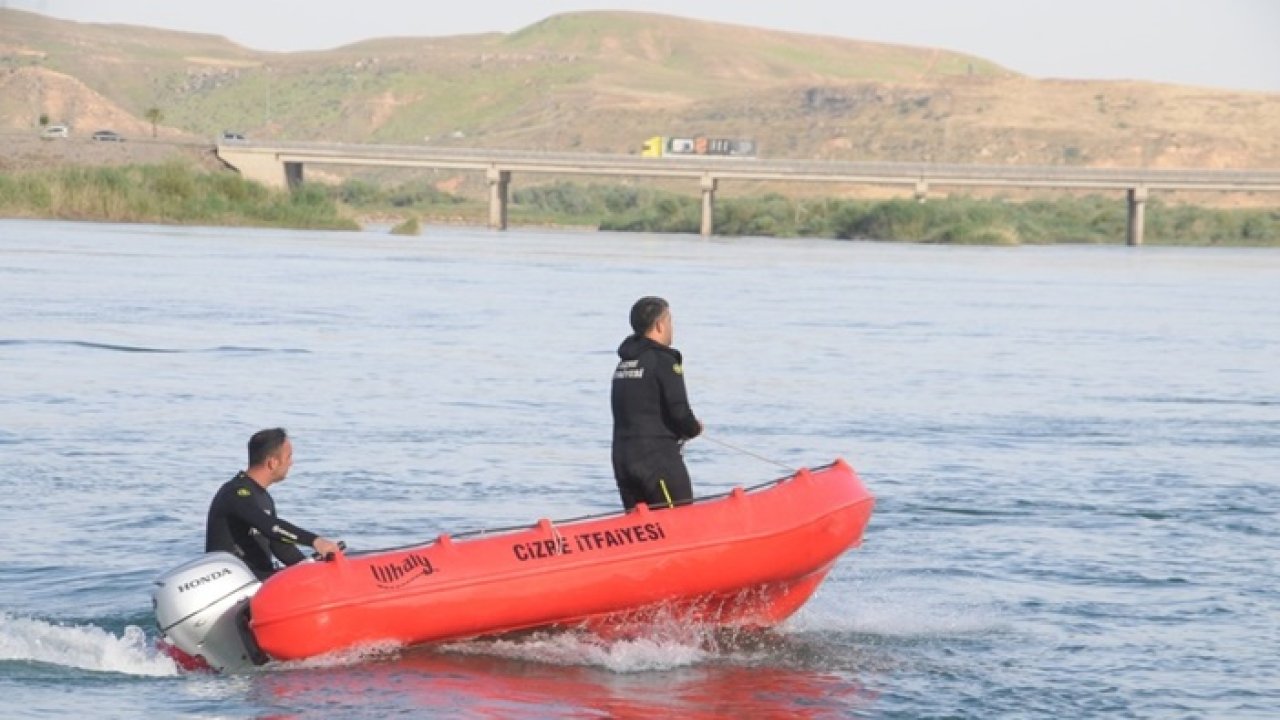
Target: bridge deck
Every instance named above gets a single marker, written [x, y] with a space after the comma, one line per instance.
[765, 169]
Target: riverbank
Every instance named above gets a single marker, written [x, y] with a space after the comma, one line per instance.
[173, 193]
[188, 191]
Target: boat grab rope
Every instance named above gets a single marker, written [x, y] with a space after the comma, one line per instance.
[485, 532]
[555, 532]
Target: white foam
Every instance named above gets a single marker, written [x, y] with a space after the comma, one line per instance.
[342, 658]
[87, 647]
[568, 648]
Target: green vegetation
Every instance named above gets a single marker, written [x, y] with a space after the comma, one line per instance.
[409, 226]
[177, 193]
[959, 221]
[155, 116]
[410, 196]
[171, 193]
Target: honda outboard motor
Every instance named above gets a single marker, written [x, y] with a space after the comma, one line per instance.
[202, 609]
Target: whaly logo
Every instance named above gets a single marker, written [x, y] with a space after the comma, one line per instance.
[197, 582]
[395, 575]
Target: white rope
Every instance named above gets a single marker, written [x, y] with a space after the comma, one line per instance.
[744, 451]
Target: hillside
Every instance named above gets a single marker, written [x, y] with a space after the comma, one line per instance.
[603, 81]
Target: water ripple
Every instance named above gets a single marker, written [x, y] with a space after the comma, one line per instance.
[1074, 459]
[89, 345]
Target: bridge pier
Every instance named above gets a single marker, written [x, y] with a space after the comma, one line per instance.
[708, 204]
[1137, 212]
[292, 175]
[499, 182]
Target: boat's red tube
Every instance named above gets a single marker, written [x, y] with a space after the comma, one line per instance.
[744, 558]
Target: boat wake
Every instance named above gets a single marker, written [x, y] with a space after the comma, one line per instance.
[815, 637]
[583, 648]
[348, 657]
[85, 647]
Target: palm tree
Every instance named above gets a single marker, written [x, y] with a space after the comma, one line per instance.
[155, 115]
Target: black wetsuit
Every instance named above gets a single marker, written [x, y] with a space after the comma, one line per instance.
[243, 522]
[651, 417]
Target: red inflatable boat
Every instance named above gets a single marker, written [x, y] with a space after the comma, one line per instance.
[751, 557]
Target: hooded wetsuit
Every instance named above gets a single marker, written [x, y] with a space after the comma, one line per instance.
[651, 417]
[243, 522]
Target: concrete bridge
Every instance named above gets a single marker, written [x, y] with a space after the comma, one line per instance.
[281, 165]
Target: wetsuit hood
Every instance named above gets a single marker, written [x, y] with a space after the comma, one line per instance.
[636, 345]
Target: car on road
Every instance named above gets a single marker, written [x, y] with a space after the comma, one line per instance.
[107, 136]
[55, 131]
[230, 136]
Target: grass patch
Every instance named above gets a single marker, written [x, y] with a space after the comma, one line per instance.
[408, 226]
[953, 221]
[180, 194]
[172, 193]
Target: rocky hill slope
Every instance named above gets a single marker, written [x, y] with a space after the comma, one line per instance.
[604, 81]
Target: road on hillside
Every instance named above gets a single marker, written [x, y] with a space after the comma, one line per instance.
[27, 151]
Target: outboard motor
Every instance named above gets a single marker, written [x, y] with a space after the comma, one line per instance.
[202, 609]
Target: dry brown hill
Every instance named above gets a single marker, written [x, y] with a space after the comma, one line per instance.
[603, 81]
[64, 100]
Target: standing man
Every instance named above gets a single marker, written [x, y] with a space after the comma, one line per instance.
[242, 517]
[651, 413]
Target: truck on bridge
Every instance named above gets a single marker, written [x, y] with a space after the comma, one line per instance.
[660, 146]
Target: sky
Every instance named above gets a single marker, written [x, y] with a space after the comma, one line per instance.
[1232, 44]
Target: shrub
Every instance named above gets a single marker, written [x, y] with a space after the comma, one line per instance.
[408, 226]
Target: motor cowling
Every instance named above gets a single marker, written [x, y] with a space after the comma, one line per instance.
[202, 609]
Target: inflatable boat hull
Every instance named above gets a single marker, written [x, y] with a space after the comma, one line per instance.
[747, 558]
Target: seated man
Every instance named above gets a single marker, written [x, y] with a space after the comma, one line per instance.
[651, 413]
[242, 517]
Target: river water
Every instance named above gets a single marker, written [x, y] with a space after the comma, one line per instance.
[1075, 451]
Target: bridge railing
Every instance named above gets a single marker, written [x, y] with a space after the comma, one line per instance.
[748, 167]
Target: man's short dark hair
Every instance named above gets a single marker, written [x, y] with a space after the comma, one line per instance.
[264, 444]
[646, 312]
